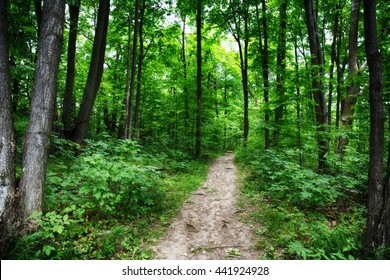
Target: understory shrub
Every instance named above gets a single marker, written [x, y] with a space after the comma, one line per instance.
[303, 214]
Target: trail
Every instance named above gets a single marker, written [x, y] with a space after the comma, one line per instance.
[209, 226]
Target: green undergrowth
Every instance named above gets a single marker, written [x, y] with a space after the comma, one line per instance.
[302, 214]
[109, 199]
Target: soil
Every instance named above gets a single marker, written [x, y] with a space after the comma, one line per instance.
[209, 226]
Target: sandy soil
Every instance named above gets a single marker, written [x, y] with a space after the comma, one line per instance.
[209, 225]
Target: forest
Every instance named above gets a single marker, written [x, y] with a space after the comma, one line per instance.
[111, 112]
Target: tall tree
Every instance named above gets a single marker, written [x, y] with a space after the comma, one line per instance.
[239, 28]
[353, 87]
[317, 62]
[7, 137]
[131, 74]
[378, 218]
[68, 103]
[265, 70]
[95, 73]
[43, 97]
[198, 143]
[280, 70]
[333, 59]
[140, 66]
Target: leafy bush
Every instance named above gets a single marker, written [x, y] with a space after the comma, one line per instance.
[106, 198]
[37, 240]
[288, 182]
[305, 215]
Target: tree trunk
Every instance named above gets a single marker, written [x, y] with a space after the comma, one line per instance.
[243, 53]
[264, 56]
[130, 92]
[68, 103]
[353, 88]
[186, 114]
[378, 221]
[297, 84]
[95, 73]
[280, 71]
[198, 142]
[37, 139]
[245, 80]
[317, 62]
[7, 137]
[140, 65]
[333, 59]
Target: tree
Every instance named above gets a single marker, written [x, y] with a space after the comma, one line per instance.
[68, 103]
[43, 97]
[280, 70]
[131, 74]
[7, 137]
[95, 73]
[265, 70]
[239, 28]
[140, 65]
[353, 88]
[198, 144]
[378, 216]
[317, 61]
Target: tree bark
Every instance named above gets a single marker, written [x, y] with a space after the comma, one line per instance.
[378, 221]
[130, 92]
[333, 60]
[243, 53]
[37, 139]
[68, 103]
[280, 71]
[94, 75]
[140, 65]
[7, 137]
[265, 72]
[198, 142]
[317, 62]
[185, 86]
[353, 88]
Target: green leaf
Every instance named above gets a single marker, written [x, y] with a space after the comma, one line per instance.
[47, 249]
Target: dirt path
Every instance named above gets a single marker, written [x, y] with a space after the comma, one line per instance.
[209, 226]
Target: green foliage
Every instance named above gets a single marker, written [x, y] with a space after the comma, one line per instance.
[287, 181]
[304, 215]
[39, 243]
[107, 200]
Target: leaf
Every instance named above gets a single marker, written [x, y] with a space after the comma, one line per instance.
[47, 249]
[58, 228]
[306, 195]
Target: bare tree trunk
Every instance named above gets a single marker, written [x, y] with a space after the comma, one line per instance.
[95, 73]
[378, 220]
[130, 93]
[317, 62]
[7, 137]
[37, 138]
[353, 88]
[198, 142]
[68, 103]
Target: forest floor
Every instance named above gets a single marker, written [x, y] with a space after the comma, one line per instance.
[209, 225]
